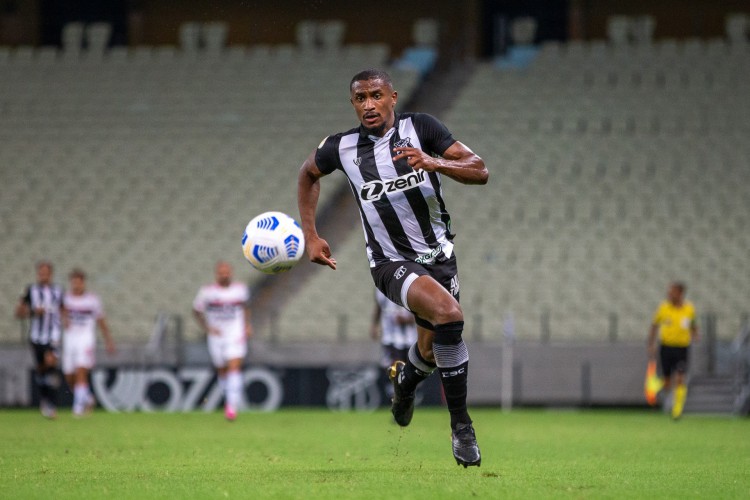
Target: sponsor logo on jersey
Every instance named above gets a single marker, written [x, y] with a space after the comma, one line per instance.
[374, 190]
[429, 258]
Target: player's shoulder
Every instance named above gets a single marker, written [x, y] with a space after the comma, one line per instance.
[663, 306]
[239, 285]
[415, 115]
[208, 288]
[419, 118]
[337, 136]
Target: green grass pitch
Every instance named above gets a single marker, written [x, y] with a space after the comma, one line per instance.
[319, 454]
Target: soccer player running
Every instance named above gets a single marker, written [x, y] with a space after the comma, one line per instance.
[41, 303]
[395, 164]
[674, 324]
[82, 314]
[222, 310]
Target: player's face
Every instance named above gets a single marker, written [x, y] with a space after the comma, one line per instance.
[77, 285]
[374, 101]
[675, 294]
[223, 274]
[44, 274]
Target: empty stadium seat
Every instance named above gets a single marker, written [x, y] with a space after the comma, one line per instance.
[147, 168]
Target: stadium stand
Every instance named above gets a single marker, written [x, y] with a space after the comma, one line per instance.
[143, 165]
[615, 168]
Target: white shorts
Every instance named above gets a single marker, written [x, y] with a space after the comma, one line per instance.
[222, 349]
[79, 351]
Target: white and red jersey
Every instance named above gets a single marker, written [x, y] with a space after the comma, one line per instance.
[82, 312]
[79, 336]
[224, 307]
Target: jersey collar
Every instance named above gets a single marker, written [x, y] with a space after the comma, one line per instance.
[374, 138]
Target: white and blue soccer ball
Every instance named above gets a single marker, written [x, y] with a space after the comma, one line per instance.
[273, 242]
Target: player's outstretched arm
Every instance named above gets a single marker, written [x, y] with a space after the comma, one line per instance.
[457, 162]
[308, 192]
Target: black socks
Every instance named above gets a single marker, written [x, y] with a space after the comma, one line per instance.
[452, 359]
[416, 370]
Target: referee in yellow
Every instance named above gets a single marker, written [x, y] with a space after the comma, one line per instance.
[674, 323]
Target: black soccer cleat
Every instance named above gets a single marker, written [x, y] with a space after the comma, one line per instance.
[402, 403]
[465, 449]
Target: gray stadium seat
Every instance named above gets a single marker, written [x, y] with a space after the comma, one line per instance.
[147, 168]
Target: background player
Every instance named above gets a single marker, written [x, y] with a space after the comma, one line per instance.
[82, 314]
[394, 164]
[396, 329]
[674, 323]
[42, 302]
[222, 311]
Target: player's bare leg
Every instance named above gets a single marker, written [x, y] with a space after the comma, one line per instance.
[666, 393]
[233, 388]
[48, 381]
[680, 395]
[83, 400]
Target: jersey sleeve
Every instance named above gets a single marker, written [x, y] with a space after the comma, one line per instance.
[327, 156]
[434, 136]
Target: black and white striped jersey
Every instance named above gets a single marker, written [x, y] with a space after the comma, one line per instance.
[402, 210]
[44, 328]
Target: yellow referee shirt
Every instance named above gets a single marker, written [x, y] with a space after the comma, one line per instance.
[675, 323]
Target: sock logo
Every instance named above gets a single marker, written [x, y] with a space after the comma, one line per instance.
[453, 373]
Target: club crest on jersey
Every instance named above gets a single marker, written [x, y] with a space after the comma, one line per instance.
[357, 161]
[403, 143]
[374, 190]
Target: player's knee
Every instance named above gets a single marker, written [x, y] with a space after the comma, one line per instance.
[450, 312]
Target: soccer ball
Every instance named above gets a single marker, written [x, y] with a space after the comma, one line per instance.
[273, 242]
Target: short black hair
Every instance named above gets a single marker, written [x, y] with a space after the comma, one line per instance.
[77, 272]
[371, 74]
[44, 263]
[680, 285]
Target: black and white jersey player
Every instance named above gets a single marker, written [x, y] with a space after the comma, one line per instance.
[395, 164]
[402, 209]
[41, 303]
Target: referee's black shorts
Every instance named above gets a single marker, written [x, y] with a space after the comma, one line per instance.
[673, 360]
